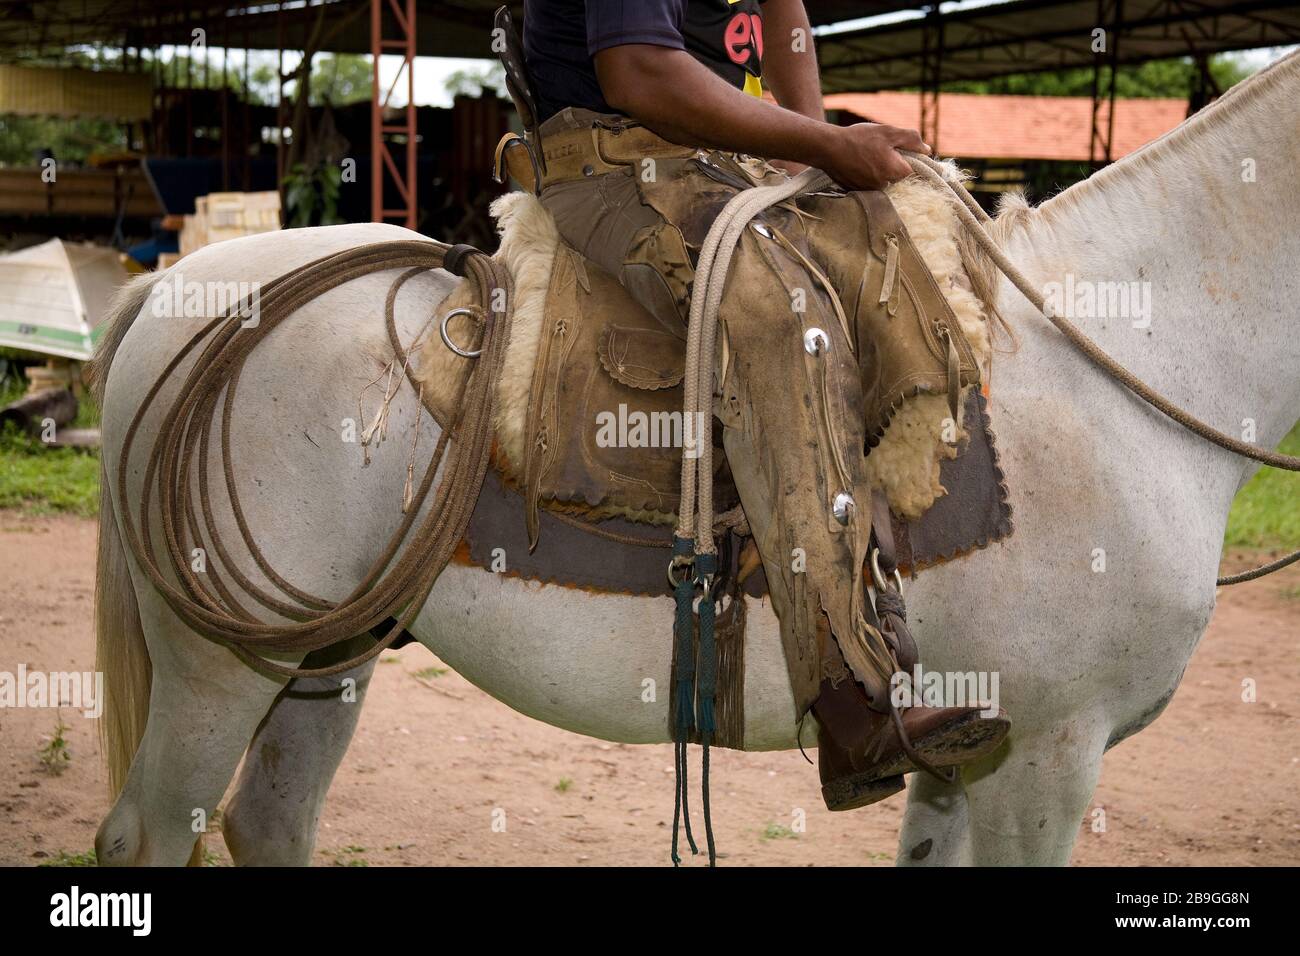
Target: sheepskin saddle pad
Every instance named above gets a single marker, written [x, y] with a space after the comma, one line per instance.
[589, 404]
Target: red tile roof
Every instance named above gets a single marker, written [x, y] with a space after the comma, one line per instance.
[976, 126]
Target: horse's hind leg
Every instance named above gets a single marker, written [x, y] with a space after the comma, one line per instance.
[204, 706]
[271, 820]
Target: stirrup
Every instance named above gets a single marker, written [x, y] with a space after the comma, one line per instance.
[906, 743]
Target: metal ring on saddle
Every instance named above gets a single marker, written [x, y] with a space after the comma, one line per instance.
[684, 561]
[446, 339]
[878, 576]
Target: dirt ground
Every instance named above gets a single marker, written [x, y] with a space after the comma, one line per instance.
[1212, 782]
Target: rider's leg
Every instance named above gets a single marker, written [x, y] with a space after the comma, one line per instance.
[608, 220]
[604, 219]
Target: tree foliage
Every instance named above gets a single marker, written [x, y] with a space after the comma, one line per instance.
[23, 138]
[341, 79]
[477, 81]
[312, 195]
[336, 80]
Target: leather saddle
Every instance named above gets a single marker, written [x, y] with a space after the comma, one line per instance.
[592, 499]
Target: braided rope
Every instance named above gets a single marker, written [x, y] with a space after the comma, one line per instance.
[712, 268]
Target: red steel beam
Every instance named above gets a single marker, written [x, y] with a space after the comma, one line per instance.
[383, 166]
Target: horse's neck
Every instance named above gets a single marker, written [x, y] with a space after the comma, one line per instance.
[1215, 251]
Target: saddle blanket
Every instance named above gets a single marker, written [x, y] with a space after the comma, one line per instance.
[973, 514]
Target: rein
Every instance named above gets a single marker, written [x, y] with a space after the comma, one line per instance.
[974, 219]
[695, 559]
[397, 584]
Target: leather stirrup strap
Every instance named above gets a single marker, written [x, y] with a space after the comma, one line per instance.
[892, 614]
[891, 611]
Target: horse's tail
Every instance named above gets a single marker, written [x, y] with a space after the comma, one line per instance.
[120, 651]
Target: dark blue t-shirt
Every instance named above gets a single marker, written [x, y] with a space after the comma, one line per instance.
[561, 38]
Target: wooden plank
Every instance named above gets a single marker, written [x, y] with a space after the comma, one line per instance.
[77, 192]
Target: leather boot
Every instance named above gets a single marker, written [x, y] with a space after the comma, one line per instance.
[844, 725]
[861, 757]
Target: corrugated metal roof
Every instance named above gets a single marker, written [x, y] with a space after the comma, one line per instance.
[456, 28]
[993, 40]
[1038, 35]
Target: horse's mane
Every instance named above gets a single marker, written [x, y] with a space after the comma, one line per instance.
[1015, 212]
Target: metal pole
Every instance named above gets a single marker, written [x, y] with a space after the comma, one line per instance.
[412, 171]
[248, 136]
[279, 102]
[225, 102]
[932, 40]
[376, 115]
[189, 93]
[1114, 69]
[1100, 146]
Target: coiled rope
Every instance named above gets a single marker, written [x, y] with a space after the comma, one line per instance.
[399, 581]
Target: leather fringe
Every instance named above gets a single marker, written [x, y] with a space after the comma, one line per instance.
[729, 703]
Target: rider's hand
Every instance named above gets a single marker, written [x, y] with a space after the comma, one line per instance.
[865, 155]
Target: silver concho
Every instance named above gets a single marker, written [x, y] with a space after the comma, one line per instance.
[815, 341]
[842, 507]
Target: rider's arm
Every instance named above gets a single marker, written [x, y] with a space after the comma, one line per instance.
[790, 64]
[789, 58]
[673, 94]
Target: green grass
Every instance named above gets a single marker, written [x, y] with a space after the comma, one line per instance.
[1266, 513]
[349, 856]
[775, 831]
[55, 755]
[36, 479]
[63, 858]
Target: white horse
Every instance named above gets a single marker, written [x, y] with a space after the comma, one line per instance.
[1089, 612]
